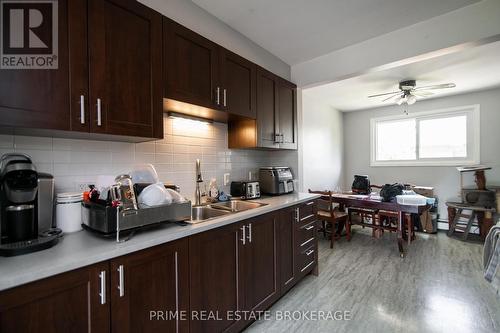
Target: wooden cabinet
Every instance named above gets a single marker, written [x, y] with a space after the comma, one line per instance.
[40, 98]
[125, 95]
[276, 124]
[215, 281]
[259, 262]
[68, 302]
[202, 283]
[286, 249]
[238, 82]
[287, 114]
[191, 65]
[109, 75]
[151, 280]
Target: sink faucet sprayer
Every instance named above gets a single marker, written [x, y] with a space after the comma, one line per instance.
[199, 179]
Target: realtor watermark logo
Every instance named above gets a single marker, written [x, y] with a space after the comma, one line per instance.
[28, 34]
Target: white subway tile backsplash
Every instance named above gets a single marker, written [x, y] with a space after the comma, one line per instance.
[81, 161]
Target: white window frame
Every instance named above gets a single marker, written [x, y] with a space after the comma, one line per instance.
[473, 137]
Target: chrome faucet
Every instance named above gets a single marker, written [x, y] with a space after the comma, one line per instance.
[199, 180]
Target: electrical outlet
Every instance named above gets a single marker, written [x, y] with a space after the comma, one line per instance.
[250, 174]
[226, 179]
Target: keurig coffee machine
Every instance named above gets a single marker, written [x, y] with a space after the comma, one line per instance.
[26, 206]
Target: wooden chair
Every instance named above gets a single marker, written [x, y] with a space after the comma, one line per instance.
[328, 214]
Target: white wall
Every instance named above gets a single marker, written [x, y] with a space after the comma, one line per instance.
[197, 19]
[468, 24]
[444, 179]
[321, 145]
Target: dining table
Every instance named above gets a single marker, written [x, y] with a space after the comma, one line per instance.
[351, 200]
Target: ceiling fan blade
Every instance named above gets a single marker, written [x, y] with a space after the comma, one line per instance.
[437, 86]
[422, 93]
[390, 93]
[390, 97]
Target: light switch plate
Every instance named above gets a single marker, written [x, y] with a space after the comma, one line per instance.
[226, 179]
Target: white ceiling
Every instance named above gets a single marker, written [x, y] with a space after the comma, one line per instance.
[472, 69]
[300, 30]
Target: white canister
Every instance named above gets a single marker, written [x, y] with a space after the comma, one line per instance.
[69, 211]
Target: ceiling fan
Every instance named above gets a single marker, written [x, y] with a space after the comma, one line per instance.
[408, 92]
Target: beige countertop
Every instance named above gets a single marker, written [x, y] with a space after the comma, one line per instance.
[83, 248]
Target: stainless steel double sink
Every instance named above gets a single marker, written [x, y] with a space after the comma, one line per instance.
[210, 211]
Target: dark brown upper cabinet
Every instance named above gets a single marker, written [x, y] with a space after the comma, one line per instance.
[276, 124]
[125, 96]
[40, 98]
[287, 114]
[238, 82]
[109, 75]
[191, 67]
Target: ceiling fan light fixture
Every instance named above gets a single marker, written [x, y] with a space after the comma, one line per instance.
[400, 100]
[411, 99]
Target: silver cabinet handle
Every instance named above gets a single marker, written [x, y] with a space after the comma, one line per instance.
[249, 232]
[121, 282]
[217, 95]
[282, 136]
[102, 293]
[244, 238]
[99, 119]
[310, 227]
[82, 109]
[308, 253]
[224, 96]
[297, 214]
[310, 203]
[277, 138]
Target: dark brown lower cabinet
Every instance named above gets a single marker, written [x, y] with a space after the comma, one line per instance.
[201, 283]
[216, 279]
[67, 302]
[150, 291]
[286, 248]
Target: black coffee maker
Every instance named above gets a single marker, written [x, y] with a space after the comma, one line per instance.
[26, 205]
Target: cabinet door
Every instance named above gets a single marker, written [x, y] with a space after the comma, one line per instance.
[68, 302]
[215, 279]
[191, 66]
[287, 114]
[125, 47]
[238, 81]
[155, 279]
[267, 106]
[40, 98]
[286, 249]
[260, 271]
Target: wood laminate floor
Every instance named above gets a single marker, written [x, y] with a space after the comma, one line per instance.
[438, 287]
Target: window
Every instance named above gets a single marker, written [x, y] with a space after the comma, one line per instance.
[441, 137]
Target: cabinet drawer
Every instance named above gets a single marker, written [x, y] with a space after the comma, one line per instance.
[306, 236]
[306, 259]
[307, 212]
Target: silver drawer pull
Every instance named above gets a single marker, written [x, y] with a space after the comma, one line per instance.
[82, 109]
[308, 265]
[99, 116]
[307, 241]
[244, 237]
[102, 293]
[297, 214]
[121, 282]
[310, 227]
[310, 203]
[307, 217]
[308, 253]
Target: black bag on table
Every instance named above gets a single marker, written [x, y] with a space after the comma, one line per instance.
[390, 191]
[361, 185]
